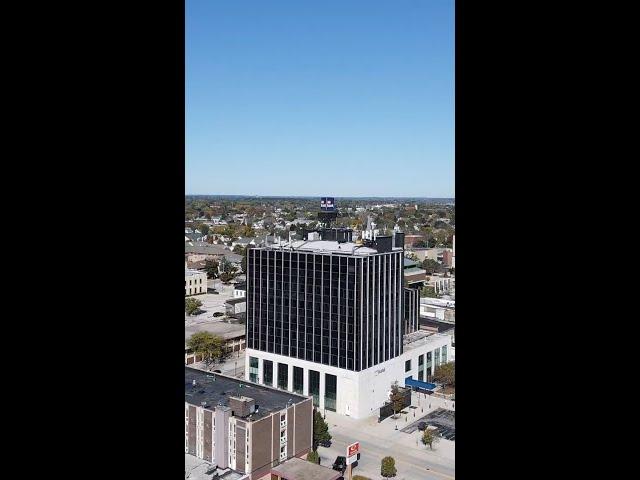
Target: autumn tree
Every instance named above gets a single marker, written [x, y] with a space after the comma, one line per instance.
[210, 347]
[446, 374]
[429, 437]
[192, 305]
[396, 398]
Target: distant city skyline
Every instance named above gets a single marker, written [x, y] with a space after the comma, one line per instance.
[349, 99]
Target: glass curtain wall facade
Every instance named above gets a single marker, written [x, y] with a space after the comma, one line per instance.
[335, 309]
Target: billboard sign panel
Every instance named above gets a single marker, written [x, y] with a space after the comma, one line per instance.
[327, 204]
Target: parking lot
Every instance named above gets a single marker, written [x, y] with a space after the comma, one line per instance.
[444, 420]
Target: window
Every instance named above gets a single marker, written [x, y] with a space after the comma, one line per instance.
[407, 366]
[421, 360]
[283, 376]
[314, 387]
[330, 391]
[444, 354]
[298, 379]
[267, 366]
[253, 369]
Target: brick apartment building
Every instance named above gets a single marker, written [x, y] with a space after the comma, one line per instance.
[246, 427]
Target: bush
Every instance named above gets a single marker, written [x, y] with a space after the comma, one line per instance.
[314, 457]
[388, 467]
[360, 477]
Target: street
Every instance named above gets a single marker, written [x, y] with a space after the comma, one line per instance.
[378, 440]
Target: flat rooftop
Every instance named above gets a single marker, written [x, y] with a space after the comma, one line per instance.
[215, 389]
[216, 327]
[191, 273]
[298, 469]
[326, 246]
[438, 302]
[420, 339]
[441, 326]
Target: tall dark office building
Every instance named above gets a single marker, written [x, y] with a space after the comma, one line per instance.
[330, 302]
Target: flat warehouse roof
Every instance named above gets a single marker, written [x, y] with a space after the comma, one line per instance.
[215, 389]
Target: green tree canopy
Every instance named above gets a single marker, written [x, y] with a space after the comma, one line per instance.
[314, 457]
[320, 430]
[429, 437]
[431, 266]
[446, 374]
[428, 291]
[204, 229]
[207, 345]
[211, 267]
[192, 305]
[388, 467]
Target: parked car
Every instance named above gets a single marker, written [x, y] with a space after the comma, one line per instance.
[340, 464]
[325, 443]
[422, 426]
[217, 371]
[218, 314]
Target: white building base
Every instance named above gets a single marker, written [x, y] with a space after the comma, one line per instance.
[359, 394]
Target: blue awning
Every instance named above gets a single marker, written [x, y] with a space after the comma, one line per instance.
[410, 382]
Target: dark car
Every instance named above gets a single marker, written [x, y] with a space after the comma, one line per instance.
[218, 314]
[340, 464]
[422, 426]
[217, 371]
[325, 443]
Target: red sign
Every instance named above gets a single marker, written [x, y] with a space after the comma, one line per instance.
[353, 449]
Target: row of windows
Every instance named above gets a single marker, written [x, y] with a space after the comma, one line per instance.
[195, 282]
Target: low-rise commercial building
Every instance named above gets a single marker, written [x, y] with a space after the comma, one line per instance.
[195, 282]
[232, 333]
[246, 427]
[236, 305]
[298, 469]
[439, 309]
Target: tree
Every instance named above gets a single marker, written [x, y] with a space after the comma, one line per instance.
[210, 347]
[446, 374]
[238, 249]
[429, 437]
[314, 457]
[192, 305]
[204, 229]
[396, 398]
[429, 292]
[320, 430]
[211, 267]
[388, 467]
[431, 266]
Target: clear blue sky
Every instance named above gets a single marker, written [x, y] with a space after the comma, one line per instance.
[320, 97]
